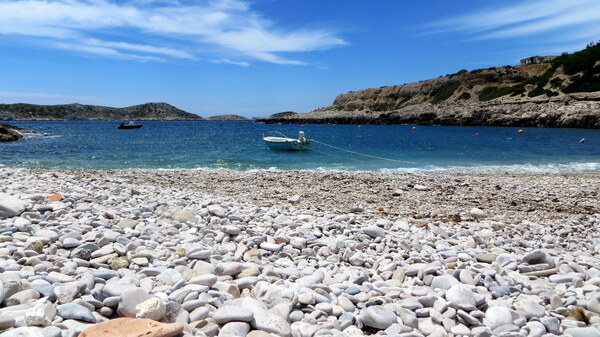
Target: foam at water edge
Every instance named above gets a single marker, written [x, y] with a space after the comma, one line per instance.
[588, 167]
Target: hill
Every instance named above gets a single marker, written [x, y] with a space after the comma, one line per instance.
[148, 111]
[227, 118]
[562, 93]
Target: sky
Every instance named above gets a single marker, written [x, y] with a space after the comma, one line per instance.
[258, 57]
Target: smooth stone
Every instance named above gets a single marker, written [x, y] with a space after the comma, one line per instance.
[582, 332]
[199, 314]
[133, 327]
[152, 308]
[23, 296]
[127, 223]
[11, 205]
[443, 282]
[184, 216]
[105, 273]
[23, 332]
[477, 213]
[129, 299]
[66, 293]
[272, 247]
[228, 313]
[594, 306]
[460, 294]
[498, 316]
[536, 329]
[234, 329]
[346, 304]
[264, 319]
[374, 232]
[460, 330]
[552, 324]
[200, 255]
[6, 322]
[70, 243]
[216, 210]
[75, 311]
[228, 268]
[377, 317]
[486, 257]
[538, 257]
[530, 308]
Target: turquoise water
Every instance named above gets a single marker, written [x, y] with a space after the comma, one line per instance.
[239, 146]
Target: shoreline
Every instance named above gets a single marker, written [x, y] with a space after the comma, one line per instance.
[442, 196]
[296, 254]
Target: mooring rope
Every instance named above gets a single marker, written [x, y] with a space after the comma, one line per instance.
[361, 154]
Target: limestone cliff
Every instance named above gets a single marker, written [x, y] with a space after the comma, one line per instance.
[562, 93]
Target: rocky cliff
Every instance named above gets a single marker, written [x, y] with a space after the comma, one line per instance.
[148, 111]
[562, 93]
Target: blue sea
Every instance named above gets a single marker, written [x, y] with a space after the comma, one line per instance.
[215, 145]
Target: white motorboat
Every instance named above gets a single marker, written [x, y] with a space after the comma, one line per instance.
[282, 142]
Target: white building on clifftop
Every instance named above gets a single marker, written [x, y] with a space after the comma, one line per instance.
[537, 59]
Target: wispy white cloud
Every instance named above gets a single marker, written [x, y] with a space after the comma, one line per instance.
[228, 61]
[184, 29]
[528, 19]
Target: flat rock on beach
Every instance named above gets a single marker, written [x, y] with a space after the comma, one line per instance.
[133, 327]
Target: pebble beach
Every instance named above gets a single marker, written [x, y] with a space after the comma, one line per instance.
[160, 253]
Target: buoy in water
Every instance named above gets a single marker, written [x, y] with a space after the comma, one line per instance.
[521, 131]
[360, 126]
[476, 133]
[414, 127]
[582, 140]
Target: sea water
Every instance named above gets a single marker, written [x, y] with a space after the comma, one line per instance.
[239, 146]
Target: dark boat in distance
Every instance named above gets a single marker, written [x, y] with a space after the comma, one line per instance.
[129, 126]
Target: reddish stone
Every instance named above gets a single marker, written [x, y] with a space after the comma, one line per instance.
[133, 327]
[55, 197]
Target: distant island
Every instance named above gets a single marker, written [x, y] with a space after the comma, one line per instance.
[561, 91]
[227, 118]
[148, 111]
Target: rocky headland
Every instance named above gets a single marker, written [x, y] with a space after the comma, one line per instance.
[10, 133]
[303, 254]
[148, 111]
[562, 93]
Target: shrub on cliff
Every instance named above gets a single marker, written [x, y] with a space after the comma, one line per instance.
[444, 92]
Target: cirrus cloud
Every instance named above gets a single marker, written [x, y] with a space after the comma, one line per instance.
[571, 21]
[160, 30]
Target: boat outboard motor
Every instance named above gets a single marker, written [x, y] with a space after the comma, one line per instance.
[301, 137]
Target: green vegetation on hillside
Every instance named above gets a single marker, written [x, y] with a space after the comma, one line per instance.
[443, 92]
[585, 62]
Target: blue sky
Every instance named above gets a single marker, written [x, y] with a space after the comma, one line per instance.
[258, 57]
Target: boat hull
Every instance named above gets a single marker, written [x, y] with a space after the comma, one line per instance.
[124, 127]
[286, 144]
